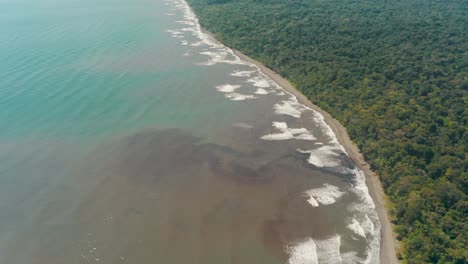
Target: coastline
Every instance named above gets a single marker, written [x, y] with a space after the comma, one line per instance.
[389, 245]
[388, 242]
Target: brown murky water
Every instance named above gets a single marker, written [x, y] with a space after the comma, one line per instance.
[165, 196]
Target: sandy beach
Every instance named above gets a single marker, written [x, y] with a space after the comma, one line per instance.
[389, 244]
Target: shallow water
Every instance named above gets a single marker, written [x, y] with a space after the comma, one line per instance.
[129, 136]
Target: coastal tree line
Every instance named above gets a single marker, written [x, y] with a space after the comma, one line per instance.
[395, 74]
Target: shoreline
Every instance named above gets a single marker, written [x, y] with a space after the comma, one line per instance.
[388, 242]
[389, 245]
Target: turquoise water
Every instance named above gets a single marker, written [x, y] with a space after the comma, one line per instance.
[128, 136]
[74, 74]
[74, 68]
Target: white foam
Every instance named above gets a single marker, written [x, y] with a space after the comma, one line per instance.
[288, 133]
[227, 88]
[326, 195]
[299, 131]
[280, 125]
[258, 81]
[310, 251]
[278, 136]
[186, 22]
[306, 136]
[174, 33]
[324, 156]
[261, 91]
[351, 257]
[356, 227]
[311, 200]
[319, 119]
[238, 96]
[368, 226]
[304, 252]
[367, 216]
[242, 73]
[215, 57]
[288, 108]
[219, 56]
[328, 250]
[196, 44]
[191, 20]
[222, 54]
[187, 29]
[360, 188]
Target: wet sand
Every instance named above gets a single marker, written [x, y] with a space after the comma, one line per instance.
[389, 244]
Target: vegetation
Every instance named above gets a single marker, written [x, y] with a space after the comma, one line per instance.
[394, 72]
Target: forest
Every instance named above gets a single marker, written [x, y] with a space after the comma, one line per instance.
[394, 73]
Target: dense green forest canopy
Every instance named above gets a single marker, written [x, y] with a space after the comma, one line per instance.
[394, 72]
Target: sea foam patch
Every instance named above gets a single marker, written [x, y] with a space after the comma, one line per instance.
[174, 33]
[324, 156]
[320, 120]
[190, 20]
[304, 252]
[242, 73]
[288, 133]
[220, 56]
[288, 107]
[356, 227]
[187, 29]
[186, 22]
[328, 250]
[238, 96]
[196, 44]
[326, 195]
[259, 81]
[368, 226]
[227, 88]
[261, 91]
[351, 257]
[230, 93]
[310, 251]
[370, 222]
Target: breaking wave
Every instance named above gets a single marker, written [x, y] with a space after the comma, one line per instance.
[310, 251]
[326, 195]
[288, 133]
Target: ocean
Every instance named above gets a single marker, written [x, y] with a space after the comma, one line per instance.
[127, 135]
